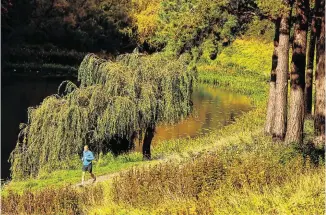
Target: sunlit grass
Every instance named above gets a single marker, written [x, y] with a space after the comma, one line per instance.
[243, 174]
[243, 67]
[105, 165]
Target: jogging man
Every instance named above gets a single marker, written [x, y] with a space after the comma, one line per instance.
[87, 163]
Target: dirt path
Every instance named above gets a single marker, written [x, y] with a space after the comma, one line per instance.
[98, 179]
[176, 158]
[107, 177]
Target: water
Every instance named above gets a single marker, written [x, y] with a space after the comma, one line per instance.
[17, 94]
[213, 109]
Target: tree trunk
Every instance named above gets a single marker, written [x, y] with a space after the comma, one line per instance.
[298, 65]
[310, 66]
[149, 135]
[279, 127]
[272, 84]
[320, 72]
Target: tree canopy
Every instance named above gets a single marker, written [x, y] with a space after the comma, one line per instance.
[180, 26]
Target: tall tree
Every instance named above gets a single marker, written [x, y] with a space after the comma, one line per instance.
[320, 72]
[310, 62]
[272, 83]
[297, 75]
[279, 128]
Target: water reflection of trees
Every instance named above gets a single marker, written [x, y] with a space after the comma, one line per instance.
[213, 108]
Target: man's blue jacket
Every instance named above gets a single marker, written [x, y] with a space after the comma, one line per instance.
[87, 157]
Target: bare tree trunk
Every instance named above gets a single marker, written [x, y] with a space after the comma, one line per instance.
[149, 135]
[279, 127]
[272, 84]
[310, 66]
[298, 65]
[320, 72]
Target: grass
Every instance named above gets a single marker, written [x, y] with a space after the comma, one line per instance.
[65, 200]
[236, 170]
[302, 196]
[243, 67]
[59, 178]
[247, 182]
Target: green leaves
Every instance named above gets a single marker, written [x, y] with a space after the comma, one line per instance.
[273, 9]
[184, 25]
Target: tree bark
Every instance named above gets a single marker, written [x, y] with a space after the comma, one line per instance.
[279, 127]
[297, 76]
[310, 65]
[149, 135]
[320, 72]
[272, 84]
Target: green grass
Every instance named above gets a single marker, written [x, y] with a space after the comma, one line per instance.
[243, 67]
[106, 165]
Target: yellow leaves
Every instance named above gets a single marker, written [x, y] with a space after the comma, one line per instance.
[248, 54]
[145, 17]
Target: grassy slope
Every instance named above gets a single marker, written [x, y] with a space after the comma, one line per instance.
[242, 67]
[60, 178]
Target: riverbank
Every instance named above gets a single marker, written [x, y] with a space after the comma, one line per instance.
[235, 170]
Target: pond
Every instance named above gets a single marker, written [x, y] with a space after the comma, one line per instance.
[213, 109]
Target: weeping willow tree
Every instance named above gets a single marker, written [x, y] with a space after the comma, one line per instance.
[117, 99]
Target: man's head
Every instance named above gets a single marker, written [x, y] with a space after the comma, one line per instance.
[86, 148]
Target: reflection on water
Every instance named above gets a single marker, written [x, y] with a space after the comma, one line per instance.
[213, 109]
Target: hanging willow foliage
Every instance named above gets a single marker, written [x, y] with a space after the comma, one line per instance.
[114, 99]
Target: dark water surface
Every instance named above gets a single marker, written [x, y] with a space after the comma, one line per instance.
[17, 94]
